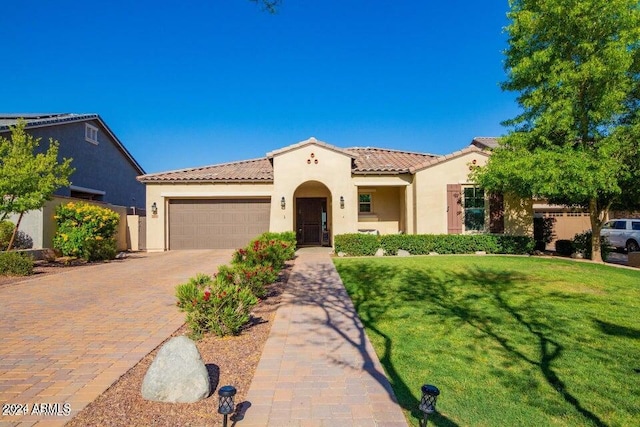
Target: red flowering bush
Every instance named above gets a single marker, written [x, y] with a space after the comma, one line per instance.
[256, 278]
[214, 305]
[269, 249]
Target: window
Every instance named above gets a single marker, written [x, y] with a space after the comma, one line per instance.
[473, 209]
[620, 225]
[364, 203]
[91, 133]
[635, 225]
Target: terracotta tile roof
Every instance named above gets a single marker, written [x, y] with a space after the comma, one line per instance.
[441, 159]
[366, 160]
[243, 171]
[485, 142]
[381, 160]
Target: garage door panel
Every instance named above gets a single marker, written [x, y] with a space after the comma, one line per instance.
[216, 223]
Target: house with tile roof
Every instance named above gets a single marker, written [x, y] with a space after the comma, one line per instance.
[319, 190]
[105, 171]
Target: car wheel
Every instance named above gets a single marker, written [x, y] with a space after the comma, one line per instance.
[632, 246]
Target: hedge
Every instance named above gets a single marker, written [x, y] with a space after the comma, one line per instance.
[423, 244]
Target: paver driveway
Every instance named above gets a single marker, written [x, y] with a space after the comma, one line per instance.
[67, 337]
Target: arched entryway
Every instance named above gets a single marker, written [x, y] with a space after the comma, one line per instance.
[313, 214]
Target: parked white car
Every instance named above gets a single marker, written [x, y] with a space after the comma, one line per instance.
[622, 233]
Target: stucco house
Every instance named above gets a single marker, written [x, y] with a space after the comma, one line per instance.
[105, 171]
[319, 190]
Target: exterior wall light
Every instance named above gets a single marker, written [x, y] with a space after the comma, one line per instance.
[225, 404]
[341, 202]
[283, 203]
[427, 405]
[154, 208]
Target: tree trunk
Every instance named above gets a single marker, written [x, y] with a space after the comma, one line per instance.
[15, 232]
[597, 215]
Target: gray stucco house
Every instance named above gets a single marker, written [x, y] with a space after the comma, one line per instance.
[105, 171]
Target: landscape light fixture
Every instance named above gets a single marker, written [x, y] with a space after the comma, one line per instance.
[428, 402]
[341, 202]
[154, 208]
[225, 404]
[283, 203]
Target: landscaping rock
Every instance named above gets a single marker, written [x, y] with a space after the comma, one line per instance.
[380, 252]
[577, 255]
[177, 374]
[341, 254]
[481, 253]
[434, 253]
[402, 252]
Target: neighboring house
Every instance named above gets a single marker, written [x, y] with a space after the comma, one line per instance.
[319, 191]
[105, 171]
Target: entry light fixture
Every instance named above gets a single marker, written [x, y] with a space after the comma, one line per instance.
[427, 405]
[341, 202]
[154, 208]
[225, 404]
[283, 203]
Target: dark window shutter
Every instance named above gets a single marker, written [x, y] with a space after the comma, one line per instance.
[496, 213]
[454, 209]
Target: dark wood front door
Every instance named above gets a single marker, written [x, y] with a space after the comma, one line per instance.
[309, 220]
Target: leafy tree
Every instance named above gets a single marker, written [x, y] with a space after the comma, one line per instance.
[28, 179]
[576, 67]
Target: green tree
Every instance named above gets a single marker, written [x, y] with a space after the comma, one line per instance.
[575, 65]
[28, 179]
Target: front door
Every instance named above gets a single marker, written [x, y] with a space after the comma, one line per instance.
[311, 220]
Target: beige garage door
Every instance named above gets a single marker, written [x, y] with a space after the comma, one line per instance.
[216, 223]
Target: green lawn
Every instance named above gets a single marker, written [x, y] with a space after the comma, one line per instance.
[510, 341]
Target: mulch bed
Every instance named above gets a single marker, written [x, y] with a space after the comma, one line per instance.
[230, 361]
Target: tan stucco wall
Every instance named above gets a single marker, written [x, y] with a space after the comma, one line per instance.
[431, 191]
[294, 168]
[157, 225]
[387, 206]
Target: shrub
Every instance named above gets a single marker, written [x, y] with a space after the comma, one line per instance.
[86, 231]
[422, 244]
[15, 264]
[564, 247]
[255, 278]
[214, 306]
[582, 244]
[269, 249]
[357, 244]
[6, 230]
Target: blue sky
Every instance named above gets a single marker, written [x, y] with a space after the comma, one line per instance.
[196, 82]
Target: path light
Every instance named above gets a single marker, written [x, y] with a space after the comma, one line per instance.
[428, 402]
[225, 405]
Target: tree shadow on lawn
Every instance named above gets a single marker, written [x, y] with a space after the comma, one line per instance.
[420, 286]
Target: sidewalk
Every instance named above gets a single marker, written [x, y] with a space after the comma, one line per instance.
[318, 367]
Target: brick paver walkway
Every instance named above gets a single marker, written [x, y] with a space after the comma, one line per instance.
[66, 337]
[318, 367]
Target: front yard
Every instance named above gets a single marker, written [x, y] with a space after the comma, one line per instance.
[508, 340]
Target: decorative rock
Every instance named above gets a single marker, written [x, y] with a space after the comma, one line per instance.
[577, 255]
[402, 252]
[380, 252]
[481, 253]
[341, 254]
[434, 253]
[177, 374]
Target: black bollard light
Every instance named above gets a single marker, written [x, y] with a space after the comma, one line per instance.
[225, 404]
[428, 402]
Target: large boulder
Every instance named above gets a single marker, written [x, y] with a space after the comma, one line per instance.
[177, 374]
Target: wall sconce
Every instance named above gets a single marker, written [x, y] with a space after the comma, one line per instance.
[341, 202]
[225, 404]
[427, 405]
[154, 208]
[283, 204]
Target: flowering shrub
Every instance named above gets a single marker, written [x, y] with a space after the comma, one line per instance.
[268, 249]
[86, 231]
[214, 305]
[255, 278]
